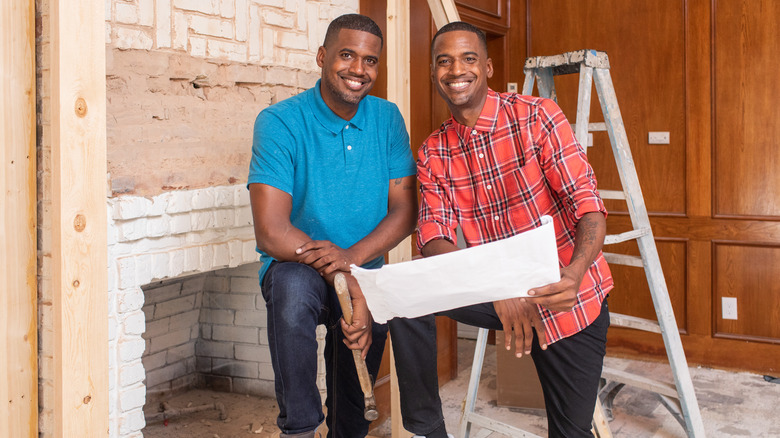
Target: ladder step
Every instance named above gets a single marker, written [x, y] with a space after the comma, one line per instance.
[628, 235]
[666, 389]
[624, 259]
[497, 426]
[592, 127]
[612, 194]
[587, 57]
[633, 322]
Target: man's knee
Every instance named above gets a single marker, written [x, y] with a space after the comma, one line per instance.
[293, 287]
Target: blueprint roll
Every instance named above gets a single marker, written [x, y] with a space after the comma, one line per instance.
[498, 270]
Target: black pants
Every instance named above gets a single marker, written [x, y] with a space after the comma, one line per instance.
[569, 371]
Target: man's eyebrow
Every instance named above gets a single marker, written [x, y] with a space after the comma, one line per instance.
[462, 54]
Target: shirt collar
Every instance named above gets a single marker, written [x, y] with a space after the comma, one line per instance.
[487, 118]
[328, 119]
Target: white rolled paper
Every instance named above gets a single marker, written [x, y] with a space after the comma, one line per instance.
[494, 271]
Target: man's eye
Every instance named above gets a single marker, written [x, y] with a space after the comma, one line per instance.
[371, 61]
[444, 62]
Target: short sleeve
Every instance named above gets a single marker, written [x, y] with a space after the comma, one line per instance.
[401, 163]
[273, 152]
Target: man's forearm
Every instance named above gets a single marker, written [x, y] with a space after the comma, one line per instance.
[589, 240]
[438, 246]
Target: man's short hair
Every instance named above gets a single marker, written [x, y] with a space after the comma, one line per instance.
[353, 22]
[461, 25]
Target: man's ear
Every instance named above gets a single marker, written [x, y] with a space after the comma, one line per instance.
[320, 56]
[489, 68]
[433, 77]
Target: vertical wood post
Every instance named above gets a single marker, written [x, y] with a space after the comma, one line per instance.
[18, 267]
[398, 67]
[79, 251]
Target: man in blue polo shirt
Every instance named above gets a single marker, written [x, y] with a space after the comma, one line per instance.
[331, 183]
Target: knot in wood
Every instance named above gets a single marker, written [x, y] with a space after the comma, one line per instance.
[79, 222]
[81, 107]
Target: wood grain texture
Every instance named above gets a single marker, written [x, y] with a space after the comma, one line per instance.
[645, 44]
[18, 305]
[79, 250]
[747, 165]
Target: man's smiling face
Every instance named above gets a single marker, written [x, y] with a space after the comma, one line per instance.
[460, 70]
[349, 68]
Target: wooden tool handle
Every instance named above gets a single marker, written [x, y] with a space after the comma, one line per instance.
[370, 413]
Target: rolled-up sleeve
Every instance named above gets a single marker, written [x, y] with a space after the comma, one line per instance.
[436, 218]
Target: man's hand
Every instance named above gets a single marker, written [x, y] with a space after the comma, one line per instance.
[520, 317]
[325, 257]
[358, 334]
[560, 296]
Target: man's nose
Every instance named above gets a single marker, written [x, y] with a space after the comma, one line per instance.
[356, 67]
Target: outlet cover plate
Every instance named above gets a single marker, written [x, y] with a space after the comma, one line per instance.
[729, 307]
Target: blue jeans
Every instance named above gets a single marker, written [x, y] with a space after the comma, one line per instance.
[569, 371]
[297, 300]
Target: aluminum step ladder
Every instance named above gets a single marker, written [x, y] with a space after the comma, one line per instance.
[680, 398]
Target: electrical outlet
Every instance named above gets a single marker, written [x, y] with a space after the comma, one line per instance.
[511, 87]
[658, 137]
[728, 306]
[590, 139]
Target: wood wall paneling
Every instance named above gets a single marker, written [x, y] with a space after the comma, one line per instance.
[749, 274]
[18, 235]
[645, 44]
[747, 125]
[485, 13]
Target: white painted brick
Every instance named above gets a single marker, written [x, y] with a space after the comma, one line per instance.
[154, 361]
[174, 307]
[160, 262]
[191, 259]
[254, 33]
[276, 18]
[244, 217]
[168, 340]
[179, 202]
[250, 253]
[302, 60]
[132, 421]
[307, 79]
[177, 263]
[281, 76]
[198, 47]
[241, 195]
[132, 398]
[163, 23]
[157, 226]
[301, 10]
[131, 230]
[180, 31]
[127, 38]
[315, 34]
[184, 320]
[251, 353]
[131, 373]
[180, 223]
[206, 6]
[221, 255]
[131, 299]
[234, 334]
[224, 218]
[130, 207]
[267, 55]
[293, 40]
[224, 197]
[126, 13]
[227, 8]
[274, 3]
[264, 331]
[112, 328]
[228, 50]
[241, 20]
[266, 372]
[146, 12]
[231, 367]
[126, 266]
[203, 198]
[214, 349]
[143, 269]
[206, 258]
[134, 323]
[131, 349]
[253, 318]
[201, 220]
[211, 26]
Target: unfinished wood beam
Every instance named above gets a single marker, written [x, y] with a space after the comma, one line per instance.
[398, 70]
[18, 268]
[443, 12]
[79, 245]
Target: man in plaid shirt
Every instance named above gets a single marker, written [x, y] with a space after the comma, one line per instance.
[499, 164]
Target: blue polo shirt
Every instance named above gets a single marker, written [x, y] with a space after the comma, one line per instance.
[338, 172]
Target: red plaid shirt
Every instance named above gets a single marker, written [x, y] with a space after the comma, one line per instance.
[520, 161]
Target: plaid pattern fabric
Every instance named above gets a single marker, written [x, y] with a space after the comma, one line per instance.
[520, 161]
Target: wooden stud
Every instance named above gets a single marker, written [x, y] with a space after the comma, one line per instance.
[18, 269]
[443, 12]
[79, 250]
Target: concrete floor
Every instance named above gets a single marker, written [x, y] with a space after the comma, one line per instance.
[732, 405]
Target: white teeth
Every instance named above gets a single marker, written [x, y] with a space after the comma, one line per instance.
[353, 84]
[458, 84]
